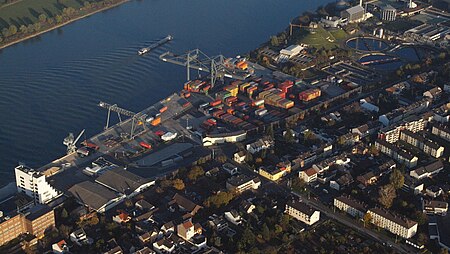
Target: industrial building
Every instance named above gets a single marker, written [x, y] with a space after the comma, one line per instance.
[353, 14]
[388, 13]
[18, 217]
[124, 182]
[95, 196]
[34, 184]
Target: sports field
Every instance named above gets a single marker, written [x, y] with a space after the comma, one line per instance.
[319, 37]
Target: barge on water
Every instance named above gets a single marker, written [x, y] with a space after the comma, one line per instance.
[142, 51]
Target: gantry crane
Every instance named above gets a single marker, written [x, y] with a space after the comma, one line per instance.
[217, 66]
[136, 119]
[70, 142]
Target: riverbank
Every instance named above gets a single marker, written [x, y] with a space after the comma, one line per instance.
[21, 39]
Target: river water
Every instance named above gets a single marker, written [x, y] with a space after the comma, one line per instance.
[50, 85]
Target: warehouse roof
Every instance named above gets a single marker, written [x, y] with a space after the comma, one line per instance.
[355, 9]
[122, 180]
[92, 194]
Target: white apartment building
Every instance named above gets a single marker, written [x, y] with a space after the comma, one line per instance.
[396, 153]
[34, 184]
[302, 212]
[350, 206]
[422, 143]
[392, 133]
[397, 225]
[241, 183]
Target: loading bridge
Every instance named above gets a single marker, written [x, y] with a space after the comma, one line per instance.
[217, 66]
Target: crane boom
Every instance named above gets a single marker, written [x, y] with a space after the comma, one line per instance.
[79, 136]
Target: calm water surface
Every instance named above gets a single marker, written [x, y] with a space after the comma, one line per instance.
[50, 86]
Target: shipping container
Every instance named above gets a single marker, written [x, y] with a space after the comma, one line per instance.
[163, 109]
[156, 121]
[309, 94]
[260, 112]
[215, 103]
[159, 133]
[145, 145]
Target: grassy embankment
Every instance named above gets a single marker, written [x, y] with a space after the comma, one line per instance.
[24, 19]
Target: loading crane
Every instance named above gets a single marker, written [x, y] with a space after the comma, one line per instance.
[217, 66]
[70, 142]
[136, 118]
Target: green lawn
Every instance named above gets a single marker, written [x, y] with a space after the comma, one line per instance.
[320, 37]
[26, 12]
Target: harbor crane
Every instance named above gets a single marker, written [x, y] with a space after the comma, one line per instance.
[71, 142]
[217, 66]
[136, 119]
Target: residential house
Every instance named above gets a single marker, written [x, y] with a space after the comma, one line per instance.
[433, 191]
[413, 184]
[239, 157]
[427, 171]
[259, 145]
[185, 204]
[350, 206]
[342, 182]
[309, 175]
[80, 238]
[164, 245]
[187, 230]
[230, 168]
[395, 224]
[241, 183]
[434, 93]
[60, 247]
[302, 212]
[121, 217]
[233, 217]
[247, 207]
[434, 207]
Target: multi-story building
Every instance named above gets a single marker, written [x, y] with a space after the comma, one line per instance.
[388, 13]
[34, 184]
[396, 153]
[442, 113]
[35, 220]
[353, 14]
[271, 172]
[302, 212]
[435, 207]
[397, 225]
[260, 144]
[419, 141]
[441, 130]
[350, 206]
[412, 123]
[241, 183]
[187, 230]
[309, 175]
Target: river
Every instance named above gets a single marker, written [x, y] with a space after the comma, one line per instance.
[50, 85]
